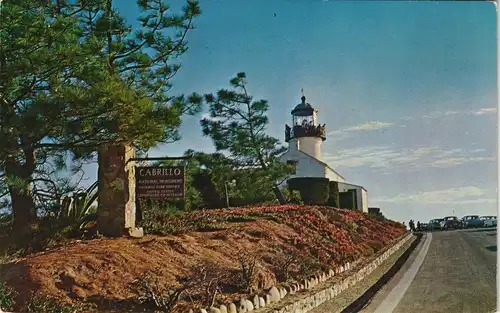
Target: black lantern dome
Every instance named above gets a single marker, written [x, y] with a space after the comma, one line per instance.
[305, 123]
[303, 108]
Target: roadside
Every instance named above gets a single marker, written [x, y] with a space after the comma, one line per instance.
[342, 301]
[457, 275]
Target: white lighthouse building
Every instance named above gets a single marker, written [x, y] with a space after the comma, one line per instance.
[305, 139]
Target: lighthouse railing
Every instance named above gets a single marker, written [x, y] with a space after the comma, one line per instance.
[305, 131]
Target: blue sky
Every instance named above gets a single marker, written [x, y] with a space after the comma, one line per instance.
[408, 90]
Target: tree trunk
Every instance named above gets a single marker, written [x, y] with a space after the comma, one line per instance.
[23, 206]
[23, 210]
[279, 195]
[276, 189]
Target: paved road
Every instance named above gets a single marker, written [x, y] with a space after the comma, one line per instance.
[452, 271]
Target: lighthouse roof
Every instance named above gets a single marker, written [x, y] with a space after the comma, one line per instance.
[303, 108]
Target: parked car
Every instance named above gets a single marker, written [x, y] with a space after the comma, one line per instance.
[450, 222]
[489, 221]
[472, 221]
[434, 224]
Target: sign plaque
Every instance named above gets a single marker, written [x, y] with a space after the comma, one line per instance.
[160, 183]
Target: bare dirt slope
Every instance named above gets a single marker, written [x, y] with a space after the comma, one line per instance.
[102, 271]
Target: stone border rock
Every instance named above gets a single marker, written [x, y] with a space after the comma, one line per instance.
[275, 294]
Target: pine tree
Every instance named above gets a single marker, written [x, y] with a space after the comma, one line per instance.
[74, 76]
[237, 125]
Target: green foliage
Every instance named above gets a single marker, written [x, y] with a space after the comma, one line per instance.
[313, 190]
[243, 185]
[377, 216]
[79, 210]
[251, 186]
[39, 303]
[74, 217]
[292, 196]
[5, 224]
[217, 174]
[351, 227]
[110, 84]
[347, 199]
[155, 216]
[247, 271]
[6, 297]
[237, 125]
[333, 199]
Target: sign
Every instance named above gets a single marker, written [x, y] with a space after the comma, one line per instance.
[160, 183]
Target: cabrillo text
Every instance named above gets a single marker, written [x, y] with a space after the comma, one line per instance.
[166, 171]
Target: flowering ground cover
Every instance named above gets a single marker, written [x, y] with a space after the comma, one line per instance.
[104, 272]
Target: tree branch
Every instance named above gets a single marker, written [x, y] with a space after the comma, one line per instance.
[158, 23]
[163, 55]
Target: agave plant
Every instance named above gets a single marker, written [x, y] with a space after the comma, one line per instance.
[79, 210]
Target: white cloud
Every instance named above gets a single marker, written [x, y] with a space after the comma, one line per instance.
[451, 196]
[369, 126]
[440, 114]
[365, 127]
[384, 157]
[460, 160]
[485, 111]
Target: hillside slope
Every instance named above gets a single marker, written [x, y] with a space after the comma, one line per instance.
[104, 272]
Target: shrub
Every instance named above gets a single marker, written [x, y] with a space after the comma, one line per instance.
[158, 218]
[39, 303]
[284, 265]
[313, 190]
[247, 271]
[5, 224]
[207, 282]
[79, 211]
[351, 227]
[292, 196]
[309, 267]
[347, 199]
[333, 199]
[6, 298]
[161, 297]
[377, 216]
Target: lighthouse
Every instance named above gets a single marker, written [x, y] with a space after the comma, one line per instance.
[306, 134]
[305, 138]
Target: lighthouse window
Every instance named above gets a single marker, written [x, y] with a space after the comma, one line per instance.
[293, 165]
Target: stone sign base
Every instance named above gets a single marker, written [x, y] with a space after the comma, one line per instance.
[116, 201]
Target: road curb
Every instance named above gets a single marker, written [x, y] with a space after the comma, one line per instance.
[330, 291]
[364, 299]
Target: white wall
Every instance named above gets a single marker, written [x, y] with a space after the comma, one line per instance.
[311, 146]
[359, 199]
[332, 176]
[364, 199]
[361, 195]
[306, 166]
[344, 187]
